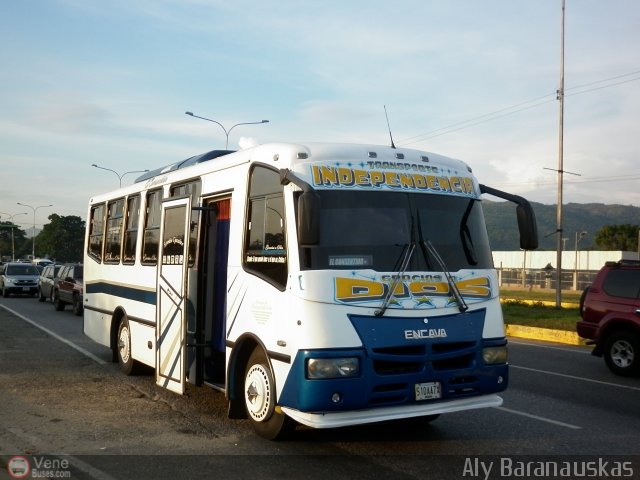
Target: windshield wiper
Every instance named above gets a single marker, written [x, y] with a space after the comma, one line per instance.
[462, 305]
[427, 246]
[408, 252]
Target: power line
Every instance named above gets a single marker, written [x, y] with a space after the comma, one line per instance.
[472, 123]
[476, 119]
[605, 80]
[519, 107]
[622, 178]
[604, 86]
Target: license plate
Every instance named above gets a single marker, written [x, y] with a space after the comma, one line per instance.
[25, 289]
[428, 391]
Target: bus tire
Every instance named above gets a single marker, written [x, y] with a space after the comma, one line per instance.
[259, 394]
[123, 347]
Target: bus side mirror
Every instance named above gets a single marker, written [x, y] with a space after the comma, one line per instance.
[526, 217]
[527, 226]
[308, 211]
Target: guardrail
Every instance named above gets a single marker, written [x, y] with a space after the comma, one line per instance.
[529, 278]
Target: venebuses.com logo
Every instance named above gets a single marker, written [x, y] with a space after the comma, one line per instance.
[38, 467]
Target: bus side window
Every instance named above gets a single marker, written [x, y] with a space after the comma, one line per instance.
[265, 249]
[115, 211]
[151, 239]
[192, 189]
[132, 217]
[96, 232]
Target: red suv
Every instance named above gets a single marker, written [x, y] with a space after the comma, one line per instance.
[68, 288]
[610, 311]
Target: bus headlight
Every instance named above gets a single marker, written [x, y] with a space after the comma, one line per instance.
[493, 355]
[320, 368]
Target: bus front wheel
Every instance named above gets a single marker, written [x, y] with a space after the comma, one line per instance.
[260, 399]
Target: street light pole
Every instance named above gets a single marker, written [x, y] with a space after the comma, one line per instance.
[579, 236]
[226, 132]
[117, 174]
[13, 226]
[33, 238]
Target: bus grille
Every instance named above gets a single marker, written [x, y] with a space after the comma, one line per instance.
[397, 370]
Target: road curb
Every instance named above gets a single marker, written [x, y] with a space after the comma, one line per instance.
[545, 334]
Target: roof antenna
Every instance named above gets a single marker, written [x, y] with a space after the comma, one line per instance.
[387, 117]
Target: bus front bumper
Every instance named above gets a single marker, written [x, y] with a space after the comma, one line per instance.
[358, 417]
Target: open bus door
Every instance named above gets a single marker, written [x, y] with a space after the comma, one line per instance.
[213, 291]
[171, 311]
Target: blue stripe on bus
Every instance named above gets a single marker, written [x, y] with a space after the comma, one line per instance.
[122, 291]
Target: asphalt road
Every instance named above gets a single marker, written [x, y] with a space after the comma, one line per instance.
[62, 400]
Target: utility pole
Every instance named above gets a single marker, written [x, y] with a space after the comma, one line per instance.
[560, 168]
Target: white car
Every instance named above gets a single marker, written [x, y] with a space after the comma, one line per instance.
[47, 277]
[20, 278]
[42, 262]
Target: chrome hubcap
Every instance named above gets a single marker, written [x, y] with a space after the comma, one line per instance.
[123, 345]
[257, 393]
[622, 353]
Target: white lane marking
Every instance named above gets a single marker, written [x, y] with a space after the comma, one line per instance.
[92, 471]
[575, 349]
[574, 377]
[57, 337]
[537, 417]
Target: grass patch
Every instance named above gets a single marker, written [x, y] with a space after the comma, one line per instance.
[539, 295]
[517, 312]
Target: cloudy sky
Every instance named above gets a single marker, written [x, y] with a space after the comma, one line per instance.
[108, 82]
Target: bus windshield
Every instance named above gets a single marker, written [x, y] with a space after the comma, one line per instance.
[371, 230]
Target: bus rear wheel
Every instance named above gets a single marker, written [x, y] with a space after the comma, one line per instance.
[123, 347]
[260, 399]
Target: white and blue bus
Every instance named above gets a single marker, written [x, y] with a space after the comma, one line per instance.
[321, 284]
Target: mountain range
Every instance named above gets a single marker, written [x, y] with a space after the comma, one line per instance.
[576, 218]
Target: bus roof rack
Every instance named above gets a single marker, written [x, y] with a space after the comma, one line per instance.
[203, 157]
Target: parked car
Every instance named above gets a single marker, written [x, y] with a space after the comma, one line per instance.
[42, 262]
[19, 278]
[67, 288]
[610, 311]
[47, 276]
